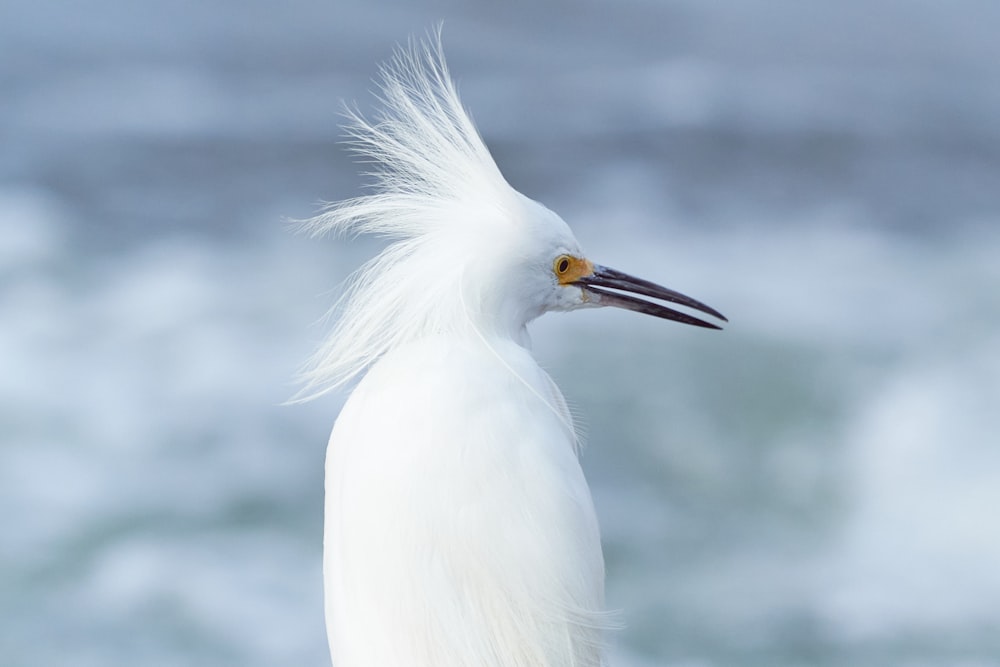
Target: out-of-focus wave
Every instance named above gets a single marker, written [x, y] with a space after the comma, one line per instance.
[814, 485]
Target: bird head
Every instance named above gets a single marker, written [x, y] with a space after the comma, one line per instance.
[466, 251]
[546, 270]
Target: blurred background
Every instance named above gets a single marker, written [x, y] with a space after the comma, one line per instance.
[817, 485]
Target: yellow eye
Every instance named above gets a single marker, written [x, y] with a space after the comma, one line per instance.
[569, 269]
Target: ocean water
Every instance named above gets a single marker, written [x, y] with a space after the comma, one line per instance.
[817, 485]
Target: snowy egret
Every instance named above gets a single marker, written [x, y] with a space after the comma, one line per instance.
[459, 529]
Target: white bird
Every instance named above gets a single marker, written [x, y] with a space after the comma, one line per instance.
[459, 529]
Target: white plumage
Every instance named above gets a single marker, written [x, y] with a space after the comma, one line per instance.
[459, 529]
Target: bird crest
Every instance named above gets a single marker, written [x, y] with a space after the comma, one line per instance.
[436, 190]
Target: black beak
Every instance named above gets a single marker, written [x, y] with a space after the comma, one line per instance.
[616, 280]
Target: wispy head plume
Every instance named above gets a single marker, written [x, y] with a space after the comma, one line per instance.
[435, 184]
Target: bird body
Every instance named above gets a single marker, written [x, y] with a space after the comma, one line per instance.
[459, 529]
[458, 520]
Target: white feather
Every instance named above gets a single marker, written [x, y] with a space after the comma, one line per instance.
[439, 198]
[459, 541]
[459, 529]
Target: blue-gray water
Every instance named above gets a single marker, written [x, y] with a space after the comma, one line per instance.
[817, 485]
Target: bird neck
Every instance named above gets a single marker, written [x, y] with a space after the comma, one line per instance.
[498, 314]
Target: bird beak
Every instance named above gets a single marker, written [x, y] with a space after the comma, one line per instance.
[603, 277]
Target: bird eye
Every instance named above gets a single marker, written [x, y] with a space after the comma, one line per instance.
[562, 264]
